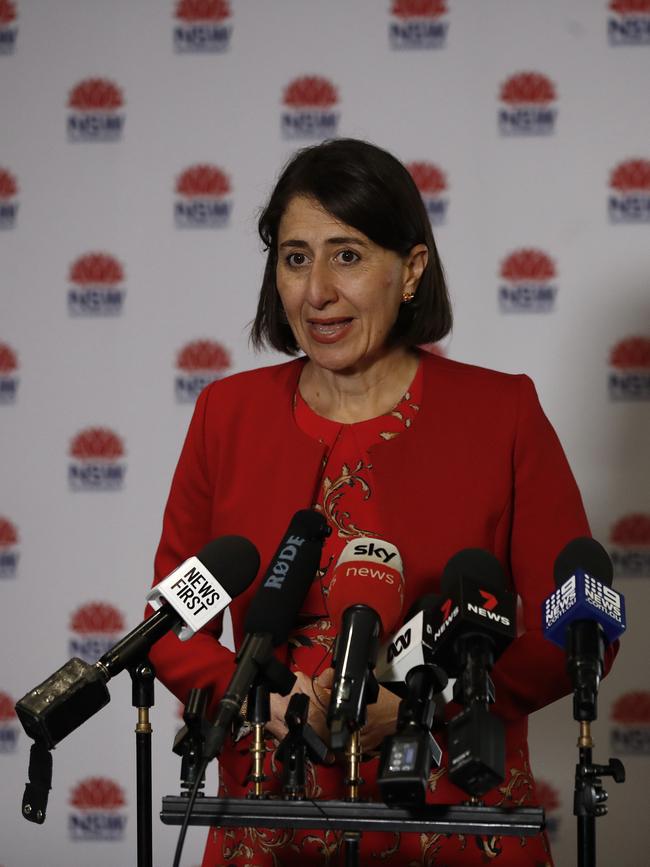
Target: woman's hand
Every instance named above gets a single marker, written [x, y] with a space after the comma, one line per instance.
[381, 716]
[318, 704]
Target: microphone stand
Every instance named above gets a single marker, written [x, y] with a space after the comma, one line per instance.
[142, 697]
[258, 714]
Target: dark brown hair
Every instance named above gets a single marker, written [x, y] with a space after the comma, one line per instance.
[367, 188]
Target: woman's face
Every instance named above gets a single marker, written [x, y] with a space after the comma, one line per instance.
[340, 291]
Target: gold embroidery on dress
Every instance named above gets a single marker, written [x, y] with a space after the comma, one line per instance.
[334, 490]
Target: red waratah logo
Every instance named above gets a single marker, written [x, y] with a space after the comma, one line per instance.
[95, 291]
[203, 197]
[96, 269]
[200, 363]
[528, 88]
[95, 94]
[633, 708]
[203, 355]
[428, 177]
[527, 288]
[629, 376]
[527, 105]
[96, 444]
[310, 91]
[8, 360]
[96, 618]
[631, 176]
[419, 8]
[8, 377]
[7, 12]
[97, 793]
[528, 264]
[202, 10]
[630, 546]
[94, 105]
[632, 530]
[7, 712]
[633, 353]
[8, 185]
[630, 7]
[432, 184]
[629, 200]
[8, 533]
[203, 180]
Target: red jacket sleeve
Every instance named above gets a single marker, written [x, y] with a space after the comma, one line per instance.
[547, 513]
[202, 661]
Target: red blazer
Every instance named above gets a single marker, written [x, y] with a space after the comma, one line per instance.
[480, 467]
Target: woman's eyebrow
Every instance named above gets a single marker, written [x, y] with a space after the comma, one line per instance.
[351, 239]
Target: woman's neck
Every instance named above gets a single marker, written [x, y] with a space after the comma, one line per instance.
[354, 396]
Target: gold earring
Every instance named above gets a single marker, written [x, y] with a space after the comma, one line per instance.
[407, 297]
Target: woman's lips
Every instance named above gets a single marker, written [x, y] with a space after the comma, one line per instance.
[328, 330]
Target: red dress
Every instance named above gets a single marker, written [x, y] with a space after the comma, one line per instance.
[478, 466]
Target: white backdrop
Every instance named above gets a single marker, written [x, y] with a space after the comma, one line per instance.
[137, 144]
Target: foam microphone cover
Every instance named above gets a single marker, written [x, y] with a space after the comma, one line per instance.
[368, 572]
[587, 555]
[477, 565]
[233, 560]
[280, 596]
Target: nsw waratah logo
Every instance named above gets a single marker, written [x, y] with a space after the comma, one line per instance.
[528, 102]
[527, 282]
[96, 461]
[629, 375]
[8, 29]
[629, 192]
[8, 548]
[94, 629]
[95, 111]
[98, 810]
[8, 374]
[203, 199]
[630, 732]
[630, 546]
[198, 364]
[95, 286]
[629, 22]
[548, 797]
[310, 108]
[202, 26]
[432, 184]
[8, 724]
[418, 24]
[8, 202]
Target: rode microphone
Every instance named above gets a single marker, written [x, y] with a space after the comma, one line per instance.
[269, 620]
[582, 616]
[367, 569]
[193, 595]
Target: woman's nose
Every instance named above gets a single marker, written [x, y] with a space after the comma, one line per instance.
[321, 288]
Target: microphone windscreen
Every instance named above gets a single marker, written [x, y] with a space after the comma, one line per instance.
[233, 560]
[476, 564]
[280, 596]
[425, 603]
[587, 555]
[368, 572]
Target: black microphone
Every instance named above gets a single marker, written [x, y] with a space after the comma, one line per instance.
[75, 692]
[474, 624]
[269, 620]
[583, 616]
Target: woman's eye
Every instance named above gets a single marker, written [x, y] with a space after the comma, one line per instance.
[296, 258]
[348, 256]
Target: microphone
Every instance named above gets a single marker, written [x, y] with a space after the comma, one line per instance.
[270, 618]
[367, 569]
[470, 629]
[410, 647]
[582, 616]
[192, 594]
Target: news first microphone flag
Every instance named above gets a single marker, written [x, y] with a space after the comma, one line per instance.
[137, 147]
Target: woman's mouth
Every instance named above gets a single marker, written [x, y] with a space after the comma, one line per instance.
[329, 330]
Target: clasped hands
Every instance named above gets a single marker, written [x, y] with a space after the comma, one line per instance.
[381, 716]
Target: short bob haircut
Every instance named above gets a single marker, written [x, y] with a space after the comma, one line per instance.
[367, 188]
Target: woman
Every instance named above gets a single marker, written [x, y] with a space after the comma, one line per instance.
[388, 441]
